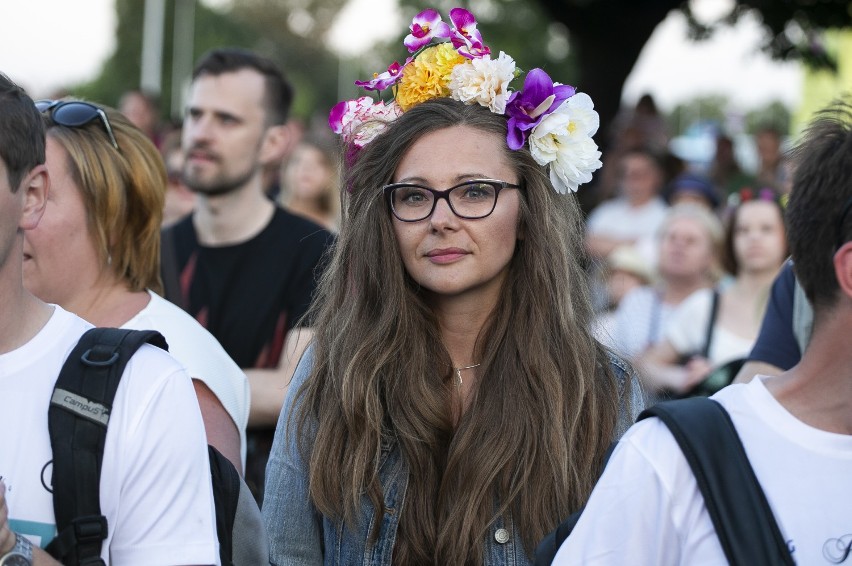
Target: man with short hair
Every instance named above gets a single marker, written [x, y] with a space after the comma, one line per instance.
[155, 476]
[242, 266]
[796, 427]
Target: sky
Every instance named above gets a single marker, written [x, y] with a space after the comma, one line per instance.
[46, 44]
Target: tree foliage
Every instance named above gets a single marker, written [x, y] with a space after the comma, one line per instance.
[591, 44]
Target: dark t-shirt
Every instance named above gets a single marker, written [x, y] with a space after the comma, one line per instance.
[249, 295]
[776, 344]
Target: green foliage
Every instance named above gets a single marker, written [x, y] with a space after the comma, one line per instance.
[774, 115]
[707, 108]
[261, 25]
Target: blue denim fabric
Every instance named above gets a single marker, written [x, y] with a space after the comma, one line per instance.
[299, 535]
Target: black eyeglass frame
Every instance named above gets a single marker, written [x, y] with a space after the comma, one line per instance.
[445, 194]
[54, 106]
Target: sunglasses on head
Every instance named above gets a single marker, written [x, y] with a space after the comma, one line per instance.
[75, 114]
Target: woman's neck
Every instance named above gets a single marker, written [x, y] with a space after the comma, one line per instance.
[755, 283]
[460, 321]
[108, 303]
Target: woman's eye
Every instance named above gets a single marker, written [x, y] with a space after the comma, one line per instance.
[477, 192]
[413, 197]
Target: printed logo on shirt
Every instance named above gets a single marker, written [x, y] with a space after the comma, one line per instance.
[837, 550]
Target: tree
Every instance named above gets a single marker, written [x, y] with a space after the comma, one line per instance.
[605, 37]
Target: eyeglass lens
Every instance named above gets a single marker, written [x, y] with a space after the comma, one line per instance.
[468, 200]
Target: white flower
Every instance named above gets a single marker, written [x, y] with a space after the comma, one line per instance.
[563, 140]
[484, 80]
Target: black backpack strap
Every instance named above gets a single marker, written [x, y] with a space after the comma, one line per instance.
[736, 503]
[77, 420]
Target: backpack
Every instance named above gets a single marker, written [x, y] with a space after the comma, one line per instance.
[737, 506]
[77, 420]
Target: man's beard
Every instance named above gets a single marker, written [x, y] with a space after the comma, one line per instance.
[218, 185]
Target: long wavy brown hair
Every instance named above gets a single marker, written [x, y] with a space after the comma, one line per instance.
[529, 445]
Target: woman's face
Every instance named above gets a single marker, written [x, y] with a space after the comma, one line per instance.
[686, 250]
[448, 255]
[307, 174]
[60, 254]
[759, 238]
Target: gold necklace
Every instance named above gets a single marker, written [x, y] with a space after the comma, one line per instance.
[459, 370]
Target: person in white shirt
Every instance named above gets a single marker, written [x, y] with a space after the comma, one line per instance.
[155, 489]
[796, 427]
[634, 217]
[96, 253]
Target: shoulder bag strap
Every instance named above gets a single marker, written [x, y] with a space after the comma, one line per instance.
[77, 421]
[736, 503]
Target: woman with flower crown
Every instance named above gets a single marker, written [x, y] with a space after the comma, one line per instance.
[454, 407]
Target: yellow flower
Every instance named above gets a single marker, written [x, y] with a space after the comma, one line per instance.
[427, 76]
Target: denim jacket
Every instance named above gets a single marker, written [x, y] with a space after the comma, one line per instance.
[299, 535]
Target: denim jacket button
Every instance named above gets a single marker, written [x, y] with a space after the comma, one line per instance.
[501, 536]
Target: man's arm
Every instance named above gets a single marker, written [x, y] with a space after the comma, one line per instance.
[7, 537]
[222, 432]
[269, 386]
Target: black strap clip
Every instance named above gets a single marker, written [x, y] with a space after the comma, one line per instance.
[90, 529]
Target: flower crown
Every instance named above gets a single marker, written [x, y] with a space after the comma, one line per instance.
[556, 120]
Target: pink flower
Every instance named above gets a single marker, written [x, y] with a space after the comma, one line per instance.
[464, 35]
[384, 80]
[359, 121]
[426, 25]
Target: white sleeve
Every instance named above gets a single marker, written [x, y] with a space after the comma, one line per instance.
[645, 509]
[162, 501]
[597, 219]
[686, 328]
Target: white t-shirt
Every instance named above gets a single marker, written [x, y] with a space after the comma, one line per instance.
[640, 319]
[202, 355]
[686, 330]
[647, 509]
[155, 485]
[617, 218]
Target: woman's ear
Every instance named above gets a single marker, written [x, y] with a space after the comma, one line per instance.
[35, 186]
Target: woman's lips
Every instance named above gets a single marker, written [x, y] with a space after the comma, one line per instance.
[446, 255]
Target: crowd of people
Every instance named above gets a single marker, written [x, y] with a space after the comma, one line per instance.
[408, 339]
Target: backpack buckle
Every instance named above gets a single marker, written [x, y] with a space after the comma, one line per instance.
[90, 529]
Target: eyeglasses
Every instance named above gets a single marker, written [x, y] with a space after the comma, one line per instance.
[75, 114]
[470, 200]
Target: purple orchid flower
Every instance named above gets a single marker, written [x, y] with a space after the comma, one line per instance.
[384, 80]
[526, 108]
[465, 36]
[425, 26]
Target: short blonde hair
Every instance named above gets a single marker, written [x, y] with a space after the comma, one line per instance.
[123, 191]
[711, 224]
